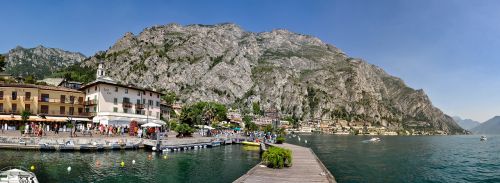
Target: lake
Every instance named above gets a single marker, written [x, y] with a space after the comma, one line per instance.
[218, 164]
[407, 158]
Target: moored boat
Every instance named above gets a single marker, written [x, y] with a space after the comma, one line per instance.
[250, 143]
[483, 138]
[17, 174]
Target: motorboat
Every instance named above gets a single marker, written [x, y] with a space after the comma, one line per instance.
[483, 138]
[250, 143]
[17, 174]
[374, 139]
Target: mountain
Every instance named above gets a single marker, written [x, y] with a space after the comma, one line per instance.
[39, 61]
[299, 75]
[466, 123]
[491, 126]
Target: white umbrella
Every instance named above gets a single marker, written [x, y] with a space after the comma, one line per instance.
[150, 125]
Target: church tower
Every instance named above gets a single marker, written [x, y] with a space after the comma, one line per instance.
[100, 70]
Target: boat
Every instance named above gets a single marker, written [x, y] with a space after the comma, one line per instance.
[374, 139]
[483, 138]
[341, 133]
[17, 174]
[250, 143]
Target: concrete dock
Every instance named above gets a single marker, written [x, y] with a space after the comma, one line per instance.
[306, 167]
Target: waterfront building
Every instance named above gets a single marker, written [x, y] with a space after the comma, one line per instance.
[45, 103]
[118, 104]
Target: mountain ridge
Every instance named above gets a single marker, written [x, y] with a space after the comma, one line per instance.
[299, 75]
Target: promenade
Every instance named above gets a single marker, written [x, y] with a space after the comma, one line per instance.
[306, 167]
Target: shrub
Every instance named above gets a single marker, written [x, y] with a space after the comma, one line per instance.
[22, 128]
[276, 157]
[184, 130]
[280, 140]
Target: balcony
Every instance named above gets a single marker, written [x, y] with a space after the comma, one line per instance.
[66, 113]
[48, 100]
[4, 111]
[127, 105]
[25, 100]
[90, 102]
[139, 106]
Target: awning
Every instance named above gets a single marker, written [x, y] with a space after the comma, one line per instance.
[124, 119]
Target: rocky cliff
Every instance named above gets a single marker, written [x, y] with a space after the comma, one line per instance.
[39, 61]
[297, 74]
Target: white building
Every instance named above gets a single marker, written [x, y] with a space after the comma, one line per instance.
[116, 104]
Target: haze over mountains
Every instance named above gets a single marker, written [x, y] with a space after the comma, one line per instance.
[298, 75]
[492, 126]
[466, 123]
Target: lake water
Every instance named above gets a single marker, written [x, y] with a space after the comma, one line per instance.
[218, 164]
[407, 158]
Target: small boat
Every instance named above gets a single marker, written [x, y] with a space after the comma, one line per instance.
[250, 143]
[374, 139]
[483, 138]
[216, 143]
[17, 174]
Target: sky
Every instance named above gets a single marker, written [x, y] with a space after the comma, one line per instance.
[449, 48]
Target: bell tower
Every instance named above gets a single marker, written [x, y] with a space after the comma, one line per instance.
[100, 70]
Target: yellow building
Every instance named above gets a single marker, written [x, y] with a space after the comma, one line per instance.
[45, 103]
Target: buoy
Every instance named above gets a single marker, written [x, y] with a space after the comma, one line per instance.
[97, 163]
[133, 162]
[122, 164]
[305, 141]
[165, 157]
[32, 167]
[154, 148]
[69, 168]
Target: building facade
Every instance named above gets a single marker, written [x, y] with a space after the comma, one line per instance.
[45, 103]
[117, 104]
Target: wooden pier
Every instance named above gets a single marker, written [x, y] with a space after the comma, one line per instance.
[306, 167]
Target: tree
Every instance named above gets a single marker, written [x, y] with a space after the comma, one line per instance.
[30, 79]
[25, 115]
[249, 125]
[256, 108]
[169, 97]
[293, 120]
[193, 114]
[2, 63]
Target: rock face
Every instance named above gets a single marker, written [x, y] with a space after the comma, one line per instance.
[466, 123]
[296, 74]
[491, 126]
[39, 61]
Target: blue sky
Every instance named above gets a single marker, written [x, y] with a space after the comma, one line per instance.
[449, 48]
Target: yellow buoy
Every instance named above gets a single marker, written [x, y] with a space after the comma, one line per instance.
[165, 157]
[122, 164]
[32, 167]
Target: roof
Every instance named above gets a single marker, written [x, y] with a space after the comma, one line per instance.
[42, 87]
[52, 81]
[96, 82]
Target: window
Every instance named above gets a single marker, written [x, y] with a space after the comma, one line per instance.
[71, 110]
[27, 95]
[149, 112]
[138, 111]
[80, 111]
[115, 109]
[125, 110]
[80, 100]
[157, 95]
[63, 98]
[14, 95]
[62, 110]
[72, 99]
[14, 108]
[138, 101]
[95, 109]
[157, 103]
[95, 88]
[45, 98]
[143, 101]
[1, 107]
[150, 102]
[27, 107]
[126, 100]
[150, 94]
[115, 101]
[139, 93]
[126, 90]
[158, 115]
[88, 90]
[116, 89]
[143, 92]
[1, 95]
[44, 109]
